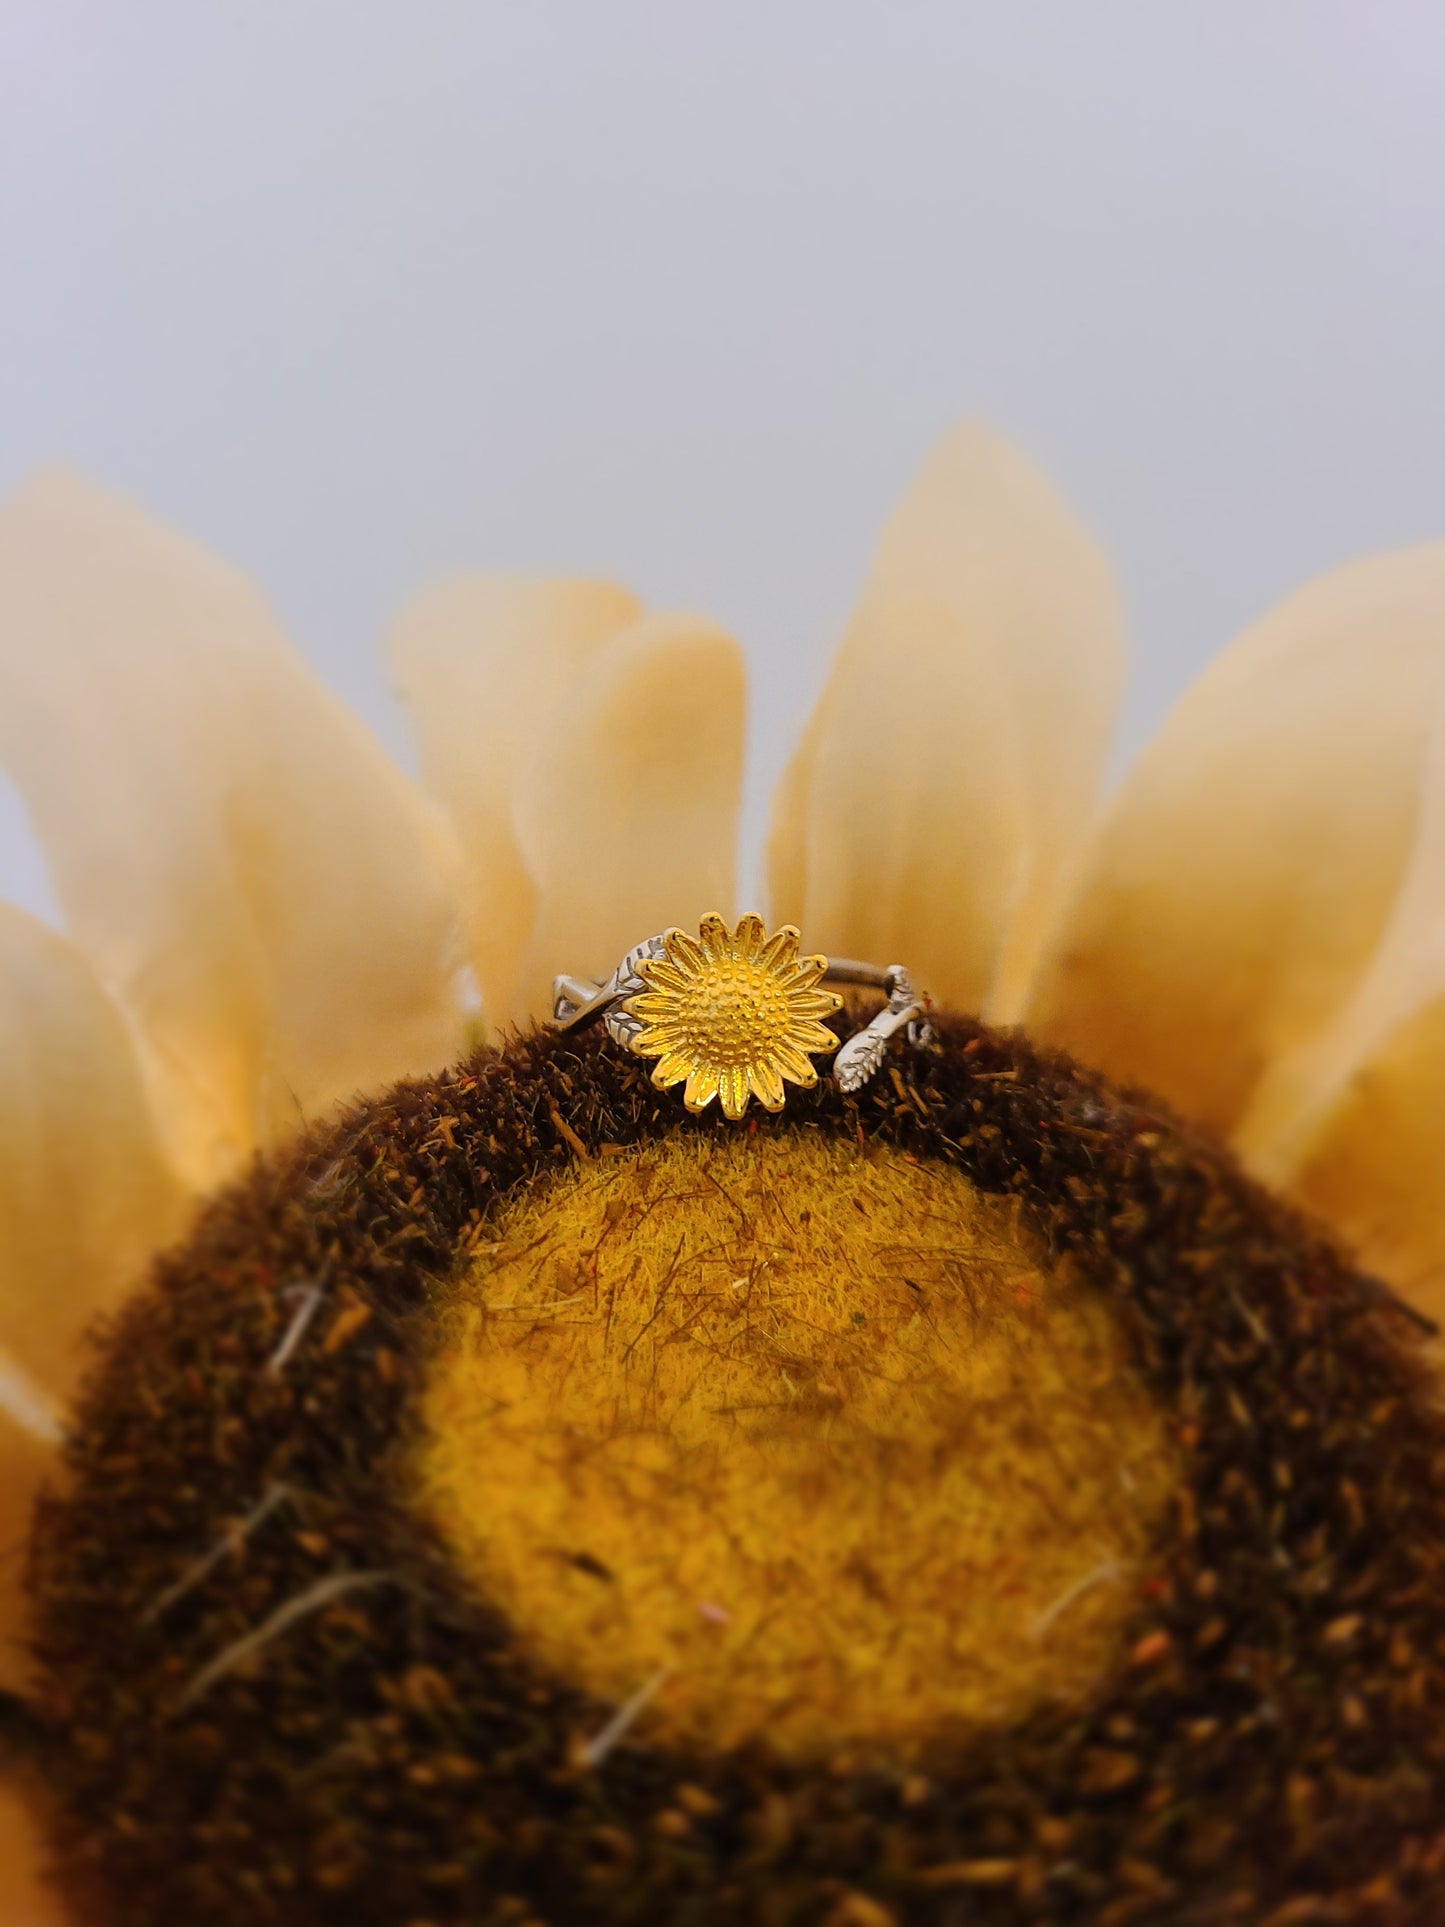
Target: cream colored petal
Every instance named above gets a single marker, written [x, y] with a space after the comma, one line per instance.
[267, 897]
[1302, 1085]
[25, 1898]
[941, 797]
[85, 1199]
[86, 1194]
[1256, 859]
[627, 815]
[1376, 1166]
[481, 661]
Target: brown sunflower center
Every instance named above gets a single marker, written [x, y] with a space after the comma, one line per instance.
[808, 1442]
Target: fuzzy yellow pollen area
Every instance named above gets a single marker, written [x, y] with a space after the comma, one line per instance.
[808, 1437]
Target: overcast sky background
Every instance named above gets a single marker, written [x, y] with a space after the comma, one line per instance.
[360, 291]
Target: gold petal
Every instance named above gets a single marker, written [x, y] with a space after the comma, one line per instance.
[672, 1067]
[26, 1898]
[750, 936]
[686, 953]
[766, 1083]
[627, 816]
[795, 1066]
[482, 661]
[652, 1005]
[702, 1087]
[86, 1194]
[264, 893]
[942, 795]
[809, 971]
[814, 1003]
[813, 1037]
[1256, 858]
[663, 975]
[715, 937]
[780, 950]
[733, 1086]
[1374, 1167]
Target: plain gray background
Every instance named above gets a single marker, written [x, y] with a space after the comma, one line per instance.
[359, 291]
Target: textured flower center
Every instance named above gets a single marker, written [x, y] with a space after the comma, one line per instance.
[735, 1014]
[805, 1442]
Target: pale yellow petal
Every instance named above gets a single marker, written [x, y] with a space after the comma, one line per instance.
[481, 661]
[86, 1197]
[627, 815]
[265, 894]
[941, 797]
[1376, 1166]
[25, 1898]
[1254, 862]
[86, 1194]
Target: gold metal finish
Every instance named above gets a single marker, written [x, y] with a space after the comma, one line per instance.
[733, 1013]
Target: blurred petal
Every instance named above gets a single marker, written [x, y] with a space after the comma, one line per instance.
[1404, 973]
[939, 802]
[85, 1199]
[28, 1456]
[627, 812]
[85, 1193]
[263, 892]
[25, 1899]
[1353, 1121]
[481, 661]
[1374, 1168]
[1256, 858]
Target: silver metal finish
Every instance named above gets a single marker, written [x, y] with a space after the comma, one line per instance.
[860, 1058]
[578, 1003]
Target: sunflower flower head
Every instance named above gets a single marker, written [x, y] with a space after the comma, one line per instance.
[733, 1012]
[513, 1500]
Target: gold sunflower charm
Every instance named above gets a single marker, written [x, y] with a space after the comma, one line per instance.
[733, 1012]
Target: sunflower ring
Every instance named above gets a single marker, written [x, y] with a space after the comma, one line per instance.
[734, 1013]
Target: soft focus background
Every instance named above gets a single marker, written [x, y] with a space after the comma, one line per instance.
[358, 291]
